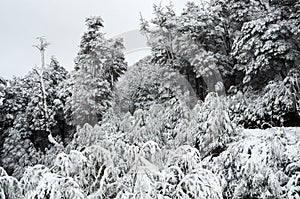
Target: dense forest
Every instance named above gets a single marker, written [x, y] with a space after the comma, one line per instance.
[213, 112]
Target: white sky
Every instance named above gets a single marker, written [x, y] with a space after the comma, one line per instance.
[62, 22]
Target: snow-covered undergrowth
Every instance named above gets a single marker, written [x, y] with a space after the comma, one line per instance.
[260, 164]
[256, 164]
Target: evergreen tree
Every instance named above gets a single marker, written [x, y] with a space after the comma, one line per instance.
[54, 77]
[23, 117]
[206, 37]
[98, 65]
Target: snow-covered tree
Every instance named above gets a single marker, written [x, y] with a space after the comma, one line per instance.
[170, 47]
[146, 134]
[98, 65]
[24, 132]
[9, 188]
[54, 79]
[206, 40]
[145, 84]
[197, 44]
[267, 45]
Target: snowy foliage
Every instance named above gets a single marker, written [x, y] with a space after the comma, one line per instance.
[39, 182]
[9, 186]
[211, 126]
[163, 129]
[196, 44]
[257, 165]
[24, 129]
[147, 83]
[98, 65]
[272, 106]
[267, 45]
[2, 87]
[200, 183]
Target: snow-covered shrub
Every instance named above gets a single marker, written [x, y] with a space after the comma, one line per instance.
[91, 169]
[71, 165]
[84, 137]
[152, 152]
[57, 182]
[78, 173]
[172, 179]
[169, 180]
[293, 187]
[2, 172]
[144, 185]
[53, 186]
[293, 184]
[278, 103]
[251, 167]
[200, 183]
[186, 158]
[211, 126]
[160, 123]
[9, 187]
[99, 172]
[31, 178]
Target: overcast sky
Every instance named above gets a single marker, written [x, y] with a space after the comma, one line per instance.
[62, 23]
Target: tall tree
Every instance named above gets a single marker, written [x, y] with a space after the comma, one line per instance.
[42, 48]
[99, 63]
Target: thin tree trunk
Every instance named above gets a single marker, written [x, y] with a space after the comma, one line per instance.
[42, 47]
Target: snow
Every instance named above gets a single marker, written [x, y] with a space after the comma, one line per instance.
[292, 133]
[166, 129]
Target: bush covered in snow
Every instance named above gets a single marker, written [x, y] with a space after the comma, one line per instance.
[277, 104]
